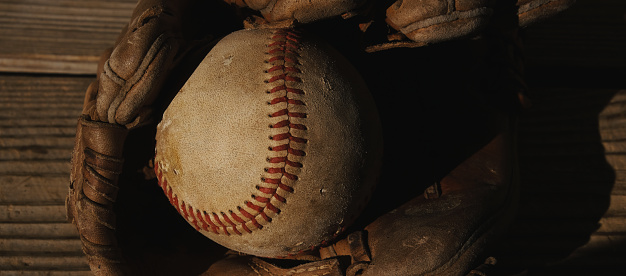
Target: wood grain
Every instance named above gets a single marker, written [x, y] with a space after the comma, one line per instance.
[56, 36]
[38, 116]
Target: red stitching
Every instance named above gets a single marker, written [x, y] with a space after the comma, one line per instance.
[234, 226]
[290, 124]
[262, 199]
[224, 227]
[214, 227]
[254, 207]
[286, 100]
[280, 44]
[193, 217]
[284, 159]
[284, 68]
[285, 188]
[279, 198]
[284, 77]
[204, 226]
[281, 88]
[283, 58]
[272, 208]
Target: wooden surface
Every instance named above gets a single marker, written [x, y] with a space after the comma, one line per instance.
[37, 127]
[44, 36]
[572, 215]
[48, 55]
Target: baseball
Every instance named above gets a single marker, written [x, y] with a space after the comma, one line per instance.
[273, 145]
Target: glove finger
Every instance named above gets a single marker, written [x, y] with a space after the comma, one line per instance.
[301, 11]
[138, 64]
[160, 35]
[96, 164]
[531, 11]
[91, 95]
[142, 89]
[431, 21]
[253, 4]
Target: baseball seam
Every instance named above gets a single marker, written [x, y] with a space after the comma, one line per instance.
[286, 150]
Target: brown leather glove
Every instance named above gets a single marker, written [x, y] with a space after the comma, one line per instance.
[404, 23]
[531, 11]
[107, 201]
[132, 74]
[297, 10]
[114, 210]
[96, 165]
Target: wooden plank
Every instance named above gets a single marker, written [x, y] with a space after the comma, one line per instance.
[617, 160]
[38, 116]
[613, 132]
[58, 36]
[38, 231]
[618, 207]
[612, 123]
[620, 182]
[45, 273]
[42, 113]
[32, 189]
[612, 225]
[35, 167]
[49, 64]
[15, 246]
[35, 152]
[48, 122]
[43, 263]
[41, 141]
[39, 131]
[31, 213]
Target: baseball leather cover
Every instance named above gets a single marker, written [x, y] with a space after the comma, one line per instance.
[273, 145]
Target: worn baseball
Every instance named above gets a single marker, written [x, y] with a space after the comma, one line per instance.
[273, 145]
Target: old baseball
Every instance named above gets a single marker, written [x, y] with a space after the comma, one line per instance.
[273, 145]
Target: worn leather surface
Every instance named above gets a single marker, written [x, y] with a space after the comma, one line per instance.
[303, 11]
[531, 11]
[157, 39]
[431, 21]
[469, 150]
[448, 235]
[416, 22]
[253, 266]
[97, 163]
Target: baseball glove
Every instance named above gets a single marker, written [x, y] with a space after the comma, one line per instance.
[127, 226]
[107, 201]
[403, 23]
